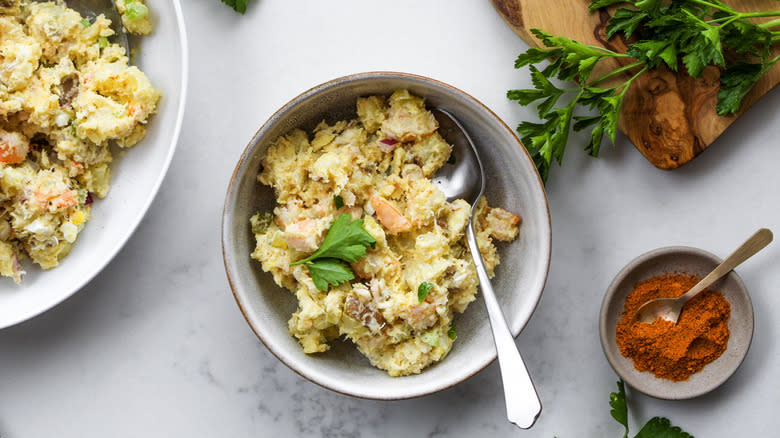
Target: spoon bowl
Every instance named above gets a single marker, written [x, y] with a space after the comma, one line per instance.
[92, 8]
[462, 177]
[670, 308]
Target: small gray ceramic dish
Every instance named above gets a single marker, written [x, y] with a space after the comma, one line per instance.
[687, 260]
[513, 184]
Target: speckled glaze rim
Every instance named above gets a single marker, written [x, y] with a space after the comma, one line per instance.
[375, 75]
[609, 296]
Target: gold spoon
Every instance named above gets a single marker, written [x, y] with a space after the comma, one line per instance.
[669, 308]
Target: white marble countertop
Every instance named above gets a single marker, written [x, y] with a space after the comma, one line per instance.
[155, 345]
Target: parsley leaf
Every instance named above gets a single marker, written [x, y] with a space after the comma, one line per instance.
[452, 333]
[338, 201]
[619, 411]
[736, 81]
[653, 53]
[659, 427]
[625, 20]
[345, 241]
[422, 290]
[326, 272]
[535, 55]
[237, 5]
[597, 4]
[747, 38]
[702, 50]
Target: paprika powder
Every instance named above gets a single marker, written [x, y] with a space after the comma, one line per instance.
[668, 350]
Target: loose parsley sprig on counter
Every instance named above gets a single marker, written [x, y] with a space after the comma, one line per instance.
[345, 242]
[237, 5]
[656, 427]
[691, 33]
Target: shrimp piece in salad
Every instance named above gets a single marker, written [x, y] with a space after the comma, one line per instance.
[303, 235]
[389, 216]
[13, 147]
[56, 200]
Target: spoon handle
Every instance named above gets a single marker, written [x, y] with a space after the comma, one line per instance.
[754, 244]
[522, 402]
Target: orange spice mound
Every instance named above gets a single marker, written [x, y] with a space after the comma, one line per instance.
[674, 351]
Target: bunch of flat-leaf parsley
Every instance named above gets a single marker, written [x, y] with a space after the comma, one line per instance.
[345, 242]
[689, 34]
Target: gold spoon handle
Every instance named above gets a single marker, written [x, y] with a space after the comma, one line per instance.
[754, 244]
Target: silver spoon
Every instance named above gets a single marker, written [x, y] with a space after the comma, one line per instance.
[466, 180]
[92, 8]
[669, 308]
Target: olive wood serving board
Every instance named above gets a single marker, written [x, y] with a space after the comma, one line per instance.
[670, 117]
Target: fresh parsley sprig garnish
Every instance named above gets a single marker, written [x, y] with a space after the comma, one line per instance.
[346, 241]
[684, 33]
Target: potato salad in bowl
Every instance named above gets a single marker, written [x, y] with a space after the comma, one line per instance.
[368, 244]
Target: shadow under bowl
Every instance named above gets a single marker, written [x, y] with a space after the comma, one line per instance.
[686, 260]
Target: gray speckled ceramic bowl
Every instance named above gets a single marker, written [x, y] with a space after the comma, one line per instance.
[512, 183]
[688, 260]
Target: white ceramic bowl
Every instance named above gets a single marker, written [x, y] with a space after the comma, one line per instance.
[512, 183]
[136, 177]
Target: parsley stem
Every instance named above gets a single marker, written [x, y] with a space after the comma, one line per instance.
[759, 14]
[770, 24]
[695, 18]
[616, 72]
[606, 51]
[729, 21]
[725, 21]
[627, 84]
[719, 7]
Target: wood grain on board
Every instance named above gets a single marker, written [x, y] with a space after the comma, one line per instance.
[669, 116]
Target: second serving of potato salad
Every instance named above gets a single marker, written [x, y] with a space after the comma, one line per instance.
[367, 243]
[66, 94]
